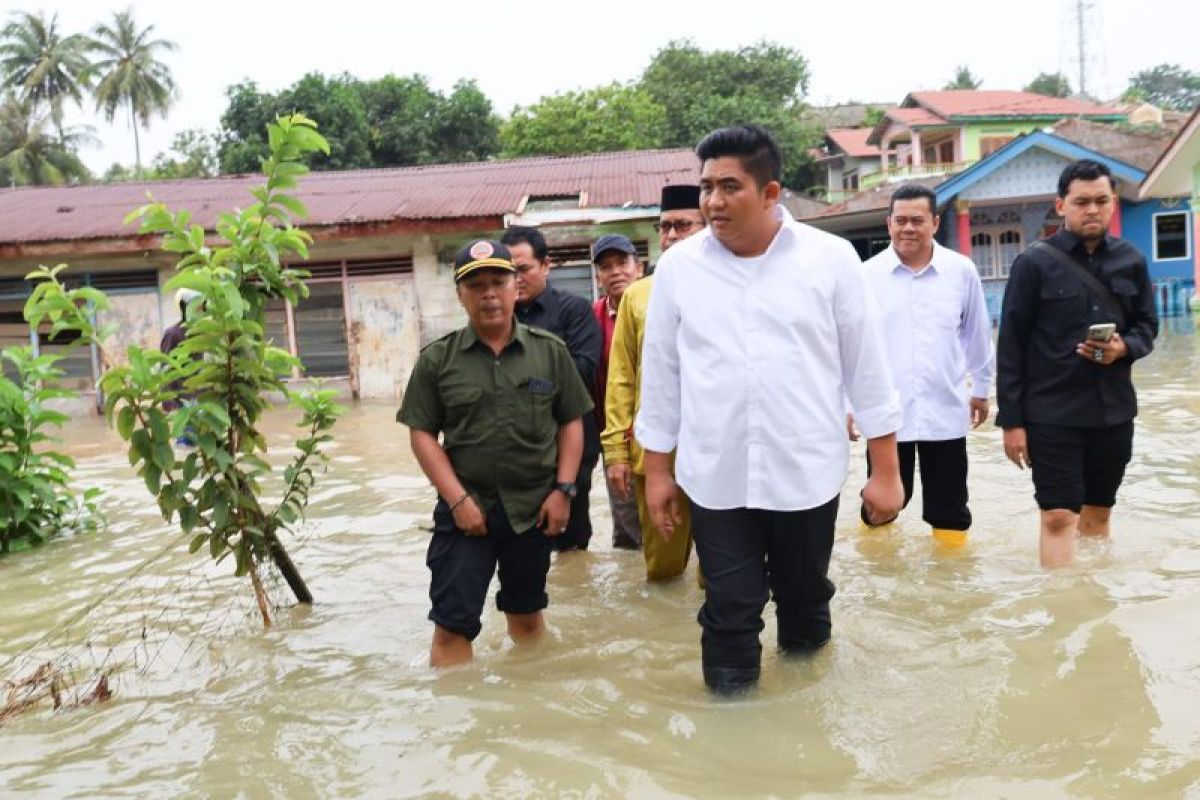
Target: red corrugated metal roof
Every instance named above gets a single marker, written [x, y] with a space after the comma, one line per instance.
[1005, 103]
[853, 141]
[443, 191]
[915, 116]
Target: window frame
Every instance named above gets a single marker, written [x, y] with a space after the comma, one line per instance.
[1187, 239]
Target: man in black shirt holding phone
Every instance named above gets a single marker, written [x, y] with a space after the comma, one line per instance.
[1078, 311]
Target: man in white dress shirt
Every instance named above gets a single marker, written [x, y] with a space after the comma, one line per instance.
[937, 331]
[756, 327]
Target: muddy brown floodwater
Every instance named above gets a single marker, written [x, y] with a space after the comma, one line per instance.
[951, 674]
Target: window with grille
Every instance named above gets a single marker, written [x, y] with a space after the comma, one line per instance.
[994, 250]
[321, 331]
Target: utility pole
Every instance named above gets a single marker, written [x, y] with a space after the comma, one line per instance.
[1081, 8]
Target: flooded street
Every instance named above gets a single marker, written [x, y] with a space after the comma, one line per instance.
[970, 673]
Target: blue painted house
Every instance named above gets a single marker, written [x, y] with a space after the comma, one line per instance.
[999, 206]
[1006, 201]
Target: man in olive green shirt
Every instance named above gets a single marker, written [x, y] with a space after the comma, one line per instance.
[507, 402]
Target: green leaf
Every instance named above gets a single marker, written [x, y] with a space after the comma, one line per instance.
[164, 456]
[125, 420]
[153, 478]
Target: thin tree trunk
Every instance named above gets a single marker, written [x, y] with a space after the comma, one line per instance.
[137, 145]
[288, 569]
[260, 595]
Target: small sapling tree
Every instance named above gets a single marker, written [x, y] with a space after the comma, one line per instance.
[213, 387]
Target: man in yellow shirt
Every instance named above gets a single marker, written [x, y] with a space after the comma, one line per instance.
[679, 218]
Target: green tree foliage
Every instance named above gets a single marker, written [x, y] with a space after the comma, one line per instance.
[393, 121]
[41, 65]
[763, 84]
[36, 501]
[1167, 86]
[467, 128]
[873, 116]
[612, 117]
[193, 154]
[963, 79]
[129, 75]
[223, 372]
[1050, 84]
[30, 154]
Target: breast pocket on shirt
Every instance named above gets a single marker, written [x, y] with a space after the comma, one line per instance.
[535, 411]
[946, 310]
[464, 410]
[1063, 316]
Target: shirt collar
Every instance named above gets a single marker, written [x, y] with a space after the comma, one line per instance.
[789, 229]
[542, 301]
[939, 253]
[1074, 242]
[470, 338]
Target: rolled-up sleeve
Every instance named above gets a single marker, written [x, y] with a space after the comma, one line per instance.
[657, 424]
[867, 378]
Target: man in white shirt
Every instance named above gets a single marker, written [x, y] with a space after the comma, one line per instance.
[757, 327]
[937, 331]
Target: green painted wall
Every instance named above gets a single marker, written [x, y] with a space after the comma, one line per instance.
[977, 132]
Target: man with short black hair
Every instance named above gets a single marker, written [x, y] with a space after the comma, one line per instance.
[937, 331]
[1078, 311]
[756, 327]
[665, 557]
[617, 267]
[506, 400]
[569, 317]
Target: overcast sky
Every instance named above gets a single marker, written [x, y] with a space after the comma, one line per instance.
[869, 50]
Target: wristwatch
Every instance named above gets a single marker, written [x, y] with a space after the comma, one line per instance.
[569, 489]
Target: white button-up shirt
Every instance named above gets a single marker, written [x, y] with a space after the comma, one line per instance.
[937, 331]
[745, 362]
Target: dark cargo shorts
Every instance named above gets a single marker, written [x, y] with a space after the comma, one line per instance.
[462, 567]
[1076, 467]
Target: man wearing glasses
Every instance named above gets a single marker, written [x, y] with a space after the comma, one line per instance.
[679, 218]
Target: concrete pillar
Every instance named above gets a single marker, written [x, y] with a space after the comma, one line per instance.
[963, 209]
[916, 148]
[437, 304]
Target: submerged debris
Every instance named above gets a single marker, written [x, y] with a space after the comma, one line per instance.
[51, 681]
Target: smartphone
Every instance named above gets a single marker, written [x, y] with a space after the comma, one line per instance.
[1101, 332]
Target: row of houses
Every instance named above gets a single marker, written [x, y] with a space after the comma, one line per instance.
[995, 205]
[384, 240]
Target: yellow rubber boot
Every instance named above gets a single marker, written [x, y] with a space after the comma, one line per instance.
[949, 538]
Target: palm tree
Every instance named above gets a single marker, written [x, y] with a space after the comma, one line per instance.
[29, 154]
[129, 73]
[42, 65]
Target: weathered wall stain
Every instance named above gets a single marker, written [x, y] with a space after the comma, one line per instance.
[138, 320]
[385, 336]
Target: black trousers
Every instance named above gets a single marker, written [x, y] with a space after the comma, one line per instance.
[943, 481]
[748, 556]
[579, 526]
